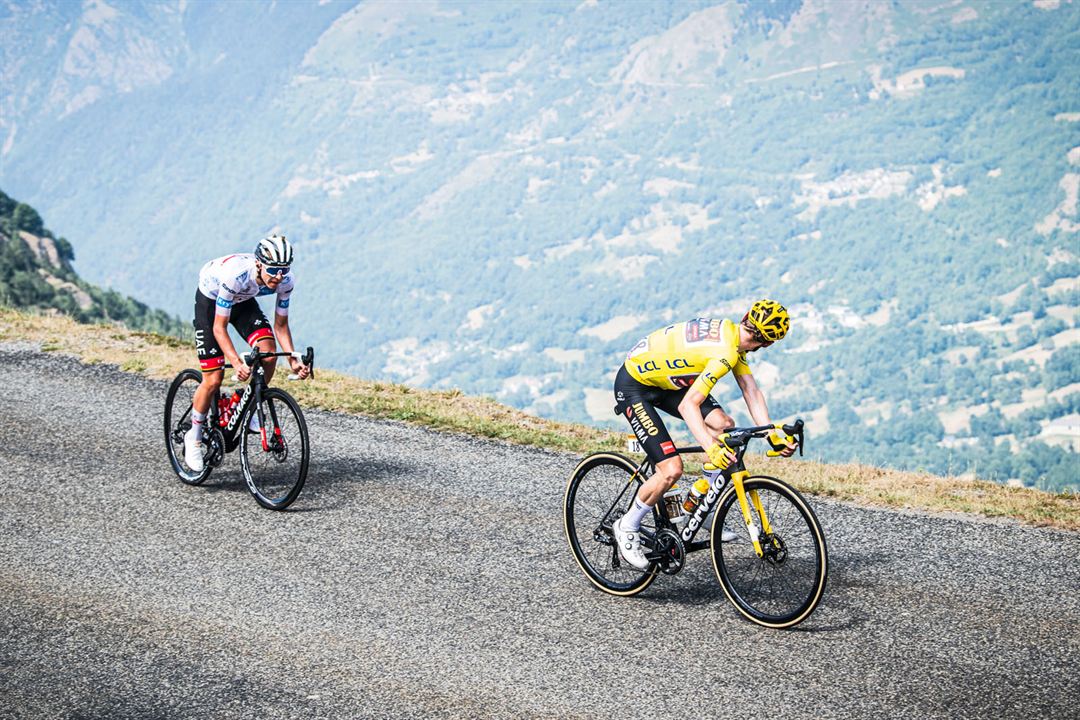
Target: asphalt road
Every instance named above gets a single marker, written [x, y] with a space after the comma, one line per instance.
[423, 574]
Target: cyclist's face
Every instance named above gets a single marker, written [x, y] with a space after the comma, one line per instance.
[273, 276]
[756, 343]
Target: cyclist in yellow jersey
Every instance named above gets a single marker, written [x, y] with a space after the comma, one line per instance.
[675, 369]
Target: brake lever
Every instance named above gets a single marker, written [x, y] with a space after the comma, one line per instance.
[796, 430]
[799, 434]
[308, 359]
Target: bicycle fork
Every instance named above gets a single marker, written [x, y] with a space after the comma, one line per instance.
[745, 498]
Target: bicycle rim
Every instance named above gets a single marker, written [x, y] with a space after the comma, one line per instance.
[600, 491]
[178, 422]
[781, 589]
[275, 459]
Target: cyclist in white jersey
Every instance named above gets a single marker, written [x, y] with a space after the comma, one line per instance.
[227, 290]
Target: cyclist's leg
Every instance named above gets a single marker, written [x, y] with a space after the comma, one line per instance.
[637, 403]
[716, 420]
[634, 402]
[211, 359]
[251, 323]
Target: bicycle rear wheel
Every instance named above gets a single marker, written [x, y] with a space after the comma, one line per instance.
[781, 588]
[178, 422]
[275, 459]
[599, 492]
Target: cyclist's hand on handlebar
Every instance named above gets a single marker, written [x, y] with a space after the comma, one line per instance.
[301, 370]
[720, 454]
[243, 372]
[781, 444]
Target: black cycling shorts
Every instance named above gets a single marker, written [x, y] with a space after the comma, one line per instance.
[247, 317]
[638, 403]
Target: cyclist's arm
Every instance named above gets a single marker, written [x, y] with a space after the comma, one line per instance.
[690, 406]
[755, 399]
[283, 333]
[281, 315]
[755, 403]
[284, 336]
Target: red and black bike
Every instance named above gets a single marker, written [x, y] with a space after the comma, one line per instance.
[274, 447]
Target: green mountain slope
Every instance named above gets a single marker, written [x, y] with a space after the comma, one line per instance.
[36, 273]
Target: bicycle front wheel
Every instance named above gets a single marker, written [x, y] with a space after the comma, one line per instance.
[599, 492]
[782, 587]
[275, 458]
[178, 422]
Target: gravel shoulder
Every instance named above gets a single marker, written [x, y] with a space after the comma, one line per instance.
[423, 574]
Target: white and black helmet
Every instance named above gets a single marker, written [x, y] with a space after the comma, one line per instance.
[274, 251]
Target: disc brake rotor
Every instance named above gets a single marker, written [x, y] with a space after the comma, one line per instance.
[774, 550]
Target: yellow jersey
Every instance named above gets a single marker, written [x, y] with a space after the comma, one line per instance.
[693, 354]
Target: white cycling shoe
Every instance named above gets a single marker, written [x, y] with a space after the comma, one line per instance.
[193, 450]
[629, 542]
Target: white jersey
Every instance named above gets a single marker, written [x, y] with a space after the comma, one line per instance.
[232, 279]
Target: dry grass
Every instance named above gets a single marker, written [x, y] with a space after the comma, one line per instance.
[162, 357]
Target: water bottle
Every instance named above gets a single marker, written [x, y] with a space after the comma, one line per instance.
[673, 504]
[223, 409]
[226, 406]
[697, 491]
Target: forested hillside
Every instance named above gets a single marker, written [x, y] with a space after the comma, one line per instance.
[36, 273]
[504, 197]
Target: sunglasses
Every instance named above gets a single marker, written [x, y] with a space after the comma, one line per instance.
[276, 271]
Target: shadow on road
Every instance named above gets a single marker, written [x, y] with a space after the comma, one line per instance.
[843, 607]
[328, 481]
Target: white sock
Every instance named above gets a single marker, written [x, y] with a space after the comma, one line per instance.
[632, 519]
[198, 419]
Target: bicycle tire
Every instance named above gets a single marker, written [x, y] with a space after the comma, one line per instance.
[783, 588]
[596, 495]
[178, 422]
[273, 484]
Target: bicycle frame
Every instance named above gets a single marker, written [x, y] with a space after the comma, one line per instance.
[252, 393]
[736, 474]
[696, 520]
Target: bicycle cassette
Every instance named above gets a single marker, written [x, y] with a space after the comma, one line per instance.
[216, 443]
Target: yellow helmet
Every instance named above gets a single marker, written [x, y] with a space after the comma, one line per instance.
[770, 319]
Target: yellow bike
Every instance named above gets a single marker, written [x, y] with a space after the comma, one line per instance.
[774, 572]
